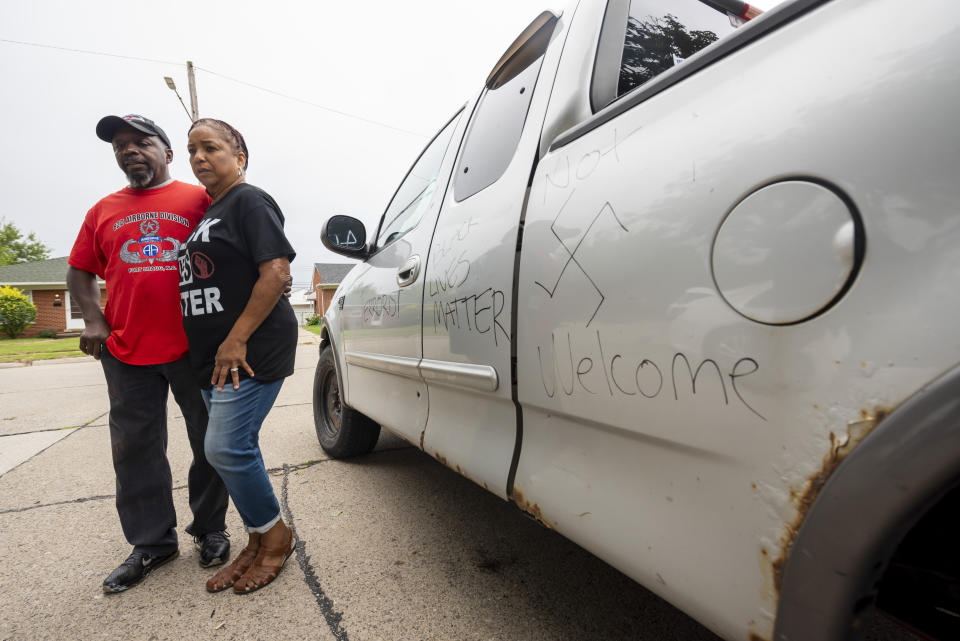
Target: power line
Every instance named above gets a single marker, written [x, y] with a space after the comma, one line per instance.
[87, 51]
[312, 104]
[219, 75]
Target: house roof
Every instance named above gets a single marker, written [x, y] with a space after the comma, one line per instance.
[332, 273]
[52, 271]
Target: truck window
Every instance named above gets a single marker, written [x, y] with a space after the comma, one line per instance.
[662, 33]
[417, 190]
[494, 133]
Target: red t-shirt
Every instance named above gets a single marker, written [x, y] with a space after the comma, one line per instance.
[131, 239]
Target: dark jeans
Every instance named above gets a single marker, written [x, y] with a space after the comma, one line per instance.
[138, 434]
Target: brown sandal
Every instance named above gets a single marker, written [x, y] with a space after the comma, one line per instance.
[230, 574]
[260, 575]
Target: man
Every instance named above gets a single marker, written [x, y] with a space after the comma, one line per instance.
[130, 239]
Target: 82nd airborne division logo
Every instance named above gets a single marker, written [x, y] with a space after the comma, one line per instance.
[150, 246]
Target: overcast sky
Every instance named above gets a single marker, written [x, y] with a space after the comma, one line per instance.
[407, 65]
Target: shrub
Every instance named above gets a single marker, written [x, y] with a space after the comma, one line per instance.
[49, 332]
[313, 320]
[16, 311]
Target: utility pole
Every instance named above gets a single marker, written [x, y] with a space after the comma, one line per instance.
[194, 111]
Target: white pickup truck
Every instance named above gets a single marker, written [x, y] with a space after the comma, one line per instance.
[682, 282]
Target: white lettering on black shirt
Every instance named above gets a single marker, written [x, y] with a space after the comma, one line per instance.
[197, 302]
[202, 232]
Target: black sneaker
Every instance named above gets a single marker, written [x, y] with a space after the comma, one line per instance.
[132, 571]
[214, 548]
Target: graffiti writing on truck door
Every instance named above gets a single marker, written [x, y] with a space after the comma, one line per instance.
[476, 312]
[378, 307]
[608, 210]
[563, 174]
[474, 309]
[586, 365]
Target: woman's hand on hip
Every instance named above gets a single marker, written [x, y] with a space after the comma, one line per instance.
[231, 356]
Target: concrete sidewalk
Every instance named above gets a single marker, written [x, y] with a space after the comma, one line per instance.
[43, 424]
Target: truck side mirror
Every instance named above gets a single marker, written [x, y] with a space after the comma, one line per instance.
[345, 235]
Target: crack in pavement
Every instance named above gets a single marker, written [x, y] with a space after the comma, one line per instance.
[331, 616]
[273, 471]
[58, 429]
[308, 464]
[86, 499]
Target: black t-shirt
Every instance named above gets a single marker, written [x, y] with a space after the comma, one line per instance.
[219, 265]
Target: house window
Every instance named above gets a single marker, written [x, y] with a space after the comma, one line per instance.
[75, 313]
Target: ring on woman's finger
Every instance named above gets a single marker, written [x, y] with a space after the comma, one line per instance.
[234, 369]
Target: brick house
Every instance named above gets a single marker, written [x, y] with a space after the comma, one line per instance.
[45, 284]
[326, 278]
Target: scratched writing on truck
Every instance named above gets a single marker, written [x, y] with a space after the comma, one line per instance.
[576, 367]
[561, 177]
[443, 247]
[449, 267]
[449, 275]
[476, 310]
[572, 253]
[374, 309]
[478, 313]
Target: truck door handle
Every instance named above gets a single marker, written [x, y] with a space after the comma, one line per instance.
[407, 274]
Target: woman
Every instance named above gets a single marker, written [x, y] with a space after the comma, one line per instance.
[242, 334]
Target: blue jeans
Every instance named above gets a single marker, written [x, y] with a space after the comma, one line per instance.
[232, 446]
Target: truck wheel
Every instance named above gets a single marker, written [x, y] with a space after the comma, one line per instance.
[341, 430]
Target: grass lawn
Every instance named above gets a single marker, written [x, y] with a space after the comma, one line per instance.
[316, 329]
[34, 349]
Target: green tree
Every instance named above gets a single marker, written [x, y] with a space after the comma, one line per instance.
[15, 248]
[16, 311]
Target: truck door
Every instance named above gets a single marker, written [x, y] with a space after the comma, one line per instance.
[381, 319]
[467, 321]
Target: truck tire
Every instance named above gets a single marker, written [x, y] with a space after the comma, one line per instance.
[342, 431]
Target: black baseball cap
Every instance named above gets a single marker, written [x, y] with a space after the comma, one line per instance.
[108, 125]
